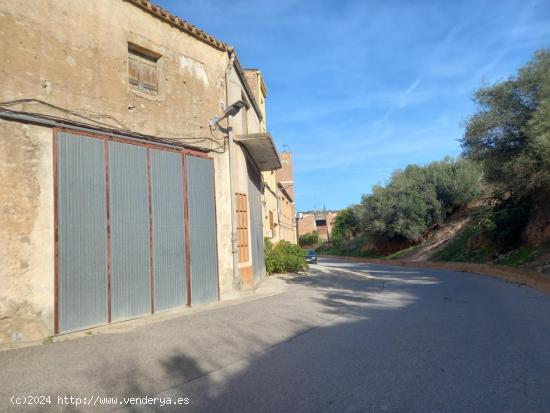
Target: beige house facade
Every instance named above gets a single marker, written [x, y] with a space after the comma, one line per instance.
[269, 197]
[278, 197]
[127, 187]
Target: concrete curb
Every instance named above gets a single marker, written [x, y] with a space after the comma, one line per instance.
[533, 279]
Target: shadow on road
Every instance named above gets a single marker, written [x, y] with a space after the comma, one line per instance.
[374, 352]
[375, 340]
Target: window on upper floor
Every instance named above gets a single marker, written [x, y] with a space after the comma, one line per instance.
[142, 70]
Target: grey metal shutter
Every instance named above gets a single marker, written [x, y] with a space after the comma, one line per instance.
[130, 243]
[202, 230]
[169, 258]
[256, 223]
[82, 232]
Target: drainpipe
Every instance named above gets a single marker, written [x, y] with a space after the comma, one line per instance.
[232, 178]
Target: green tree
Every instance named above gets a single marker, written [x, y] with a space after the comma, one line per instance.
[346, 225]
[510, 135]
[418, 198]
[510, 132]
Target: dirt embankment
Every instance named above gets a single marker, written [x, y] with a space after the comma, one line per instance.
[451, 228]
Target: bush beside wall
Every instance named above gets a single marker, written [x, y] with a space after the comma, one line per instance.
[284, 257]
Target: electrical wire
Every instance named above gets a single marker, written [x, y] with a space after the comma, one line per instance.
[220, 143]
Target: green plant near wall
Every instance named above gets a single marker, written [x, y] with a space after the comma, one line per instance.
[309, 239]
[284, 257]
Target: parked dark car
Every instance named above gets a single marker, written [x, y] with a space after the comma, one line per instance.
[311, 257]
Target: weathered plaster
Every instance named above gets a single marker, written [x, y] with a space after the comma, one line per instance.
[74, 55]
[26, 232]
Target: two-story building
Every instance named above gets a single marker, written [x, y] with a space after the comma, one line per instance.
[131, 153]
[270, 199]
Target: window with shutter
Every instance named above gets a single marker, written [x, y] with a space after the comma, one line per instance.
[133, 71]
[142, 71]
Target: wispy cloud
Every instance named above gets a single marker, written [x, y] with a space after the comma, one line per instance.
[359, 88]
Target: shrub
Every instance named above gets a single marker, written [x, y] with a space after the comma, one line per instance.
[284, 257]
[504, 222]
[309, 239]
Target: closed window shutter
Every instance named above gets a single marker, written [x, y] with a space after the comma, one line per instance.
[149, 76]
[133, 70]
[142, 72]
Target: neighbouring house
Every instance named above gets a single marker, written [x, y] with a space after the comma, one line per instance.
[269, 198]
[278, 196]
[321, 222]
[123, 195]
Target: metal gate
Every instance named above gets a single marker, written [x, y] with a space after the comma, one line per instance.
[202, 230]
[122, 238]
[167, 204]
[256, 223]
[81, 236]
[129, 222]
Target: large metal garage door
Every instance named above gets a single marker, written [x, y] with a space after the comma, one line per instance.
[169, 259]
[256, 223]
[82, 232]
[202, 230]
[122, 249]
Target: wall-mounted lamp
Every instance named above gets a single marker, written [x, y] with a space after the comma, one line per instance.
[230, 111]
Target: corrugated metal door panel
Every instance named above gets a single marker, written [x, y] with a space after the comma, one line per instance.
[82, 232]
[130, 244]
[168, 229]
[202, 230]
[256, 224]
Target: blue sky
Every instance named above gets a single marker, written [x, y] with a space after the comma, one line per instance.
[360, 88]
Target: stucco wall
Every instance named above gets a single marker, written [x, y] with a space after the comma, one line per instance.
[287, 218]
[26, 232]
[73, 54]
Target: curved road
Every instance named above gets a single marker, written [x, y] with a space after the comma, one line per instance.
[348, 337]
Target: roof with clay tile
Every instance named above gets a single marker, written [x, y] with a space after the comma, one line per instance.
[183, 25]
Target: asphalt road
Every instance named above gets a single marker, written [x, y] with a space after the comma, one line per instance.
[346, 338]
